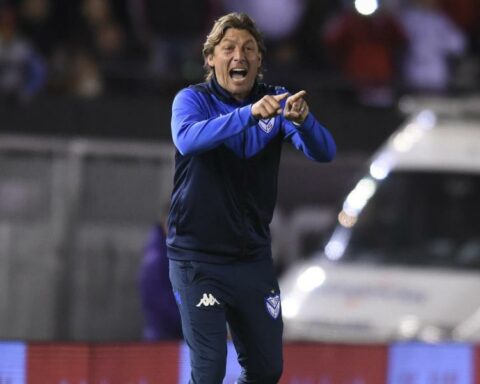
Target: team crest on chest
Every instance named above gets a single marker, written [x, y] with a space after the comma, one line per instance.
[266, 124]
[273, 305]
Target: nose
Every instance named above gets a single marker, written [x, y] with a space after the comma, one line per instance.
[238, 54]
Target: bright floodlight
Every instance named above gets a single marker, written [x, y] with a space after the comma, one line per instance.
[290, 307]
[366, 7]
[310, 279]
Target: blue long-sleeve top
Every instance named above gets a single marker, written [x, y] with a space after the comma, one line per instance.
[226, 170]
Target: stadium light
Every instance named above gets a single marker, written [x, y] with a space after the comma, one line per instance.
[366, 7]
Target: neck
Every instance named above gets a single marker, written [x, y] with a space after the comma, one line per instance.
[228, 96]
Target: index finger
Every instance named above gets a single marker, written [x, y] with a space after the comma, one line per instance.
[297, 96]
[281, 96]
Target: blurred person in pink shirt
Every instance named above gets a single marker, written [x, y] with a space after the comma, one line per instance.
[433, 40]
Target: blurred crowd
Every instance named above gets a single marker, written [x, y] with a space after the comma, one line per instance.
[89, 48]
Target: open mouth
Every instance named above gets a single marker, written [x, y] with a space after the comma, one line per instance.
[238, 73]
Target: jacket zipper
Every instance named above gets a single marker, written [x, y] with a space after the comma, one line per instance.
[244, 220]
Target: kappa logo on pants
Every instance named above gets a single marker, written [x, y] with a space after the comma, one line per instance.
[208, 300]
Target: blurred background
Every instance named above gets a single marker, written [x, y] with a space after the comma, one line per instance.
[86, 166]
[86, 159]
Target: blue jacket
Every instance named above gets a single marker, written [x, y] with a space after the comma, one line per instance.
[226, 170]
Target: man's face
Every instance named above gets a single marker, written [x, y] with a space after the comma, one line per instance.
[236, 61]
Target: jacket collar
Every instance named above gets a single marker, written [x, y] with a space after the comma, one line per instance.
[227, 97]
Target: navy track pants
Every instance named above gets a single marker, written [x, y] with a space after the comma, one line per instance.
[245, 295]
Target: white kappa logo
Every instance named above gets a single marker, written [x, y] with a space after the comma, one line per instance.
[207, 300]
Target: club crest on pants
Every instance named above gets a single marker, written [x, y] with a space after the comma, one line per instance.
[273, 305]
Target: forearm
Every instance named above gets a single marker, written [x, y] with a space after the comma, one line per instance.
[313, 139]
[193, 131]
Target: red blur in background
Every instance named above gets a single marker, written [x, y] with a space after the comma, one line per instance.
[58, 363]
[305, 363]
[324, 363]
[144, 363]
[102, 363]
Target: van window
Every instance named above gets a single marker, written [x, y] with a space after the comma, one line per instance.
[420, 218]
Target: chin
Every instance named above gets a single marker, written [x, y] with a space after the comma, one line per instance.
[243, 90]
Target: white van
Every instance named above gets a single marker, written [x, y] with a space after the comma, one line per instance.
[404, 259]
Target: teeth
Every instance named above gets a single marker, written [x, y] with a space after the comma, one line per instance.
[238, 71]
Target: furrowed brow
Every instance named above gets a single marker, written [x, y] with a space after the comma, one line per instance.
[231, 41]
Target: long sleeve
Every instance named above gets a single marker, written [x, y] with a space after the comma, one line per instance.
[313, 139]
[194, 130]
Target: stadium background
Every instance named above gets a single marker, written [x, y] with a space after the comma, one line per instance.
[78, 140]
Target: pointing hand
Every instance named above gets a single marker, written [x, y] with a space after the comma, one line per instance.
[296, 108]
[268, 106]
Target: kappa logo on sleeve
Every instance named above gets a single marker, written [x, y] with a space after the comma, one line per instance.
[208, 300]
[266, 124]
[273, 305]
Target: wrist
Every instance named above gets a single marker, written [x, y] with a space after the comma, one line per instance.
[304, 123]
[299, 123]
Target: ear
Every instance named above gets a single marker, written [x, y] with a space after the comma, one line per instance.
[210, 60]
[260, 59]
